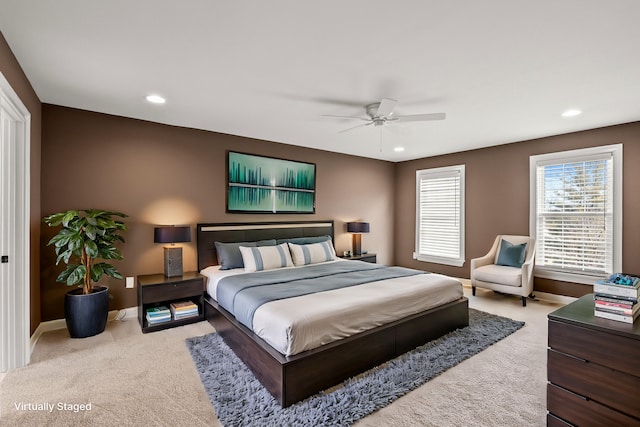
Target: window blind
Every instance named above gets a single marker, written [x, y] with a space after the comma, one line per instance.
[575, 214]
[440, 215]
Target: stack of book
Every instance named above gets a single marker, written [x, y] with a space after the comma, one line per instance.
[616, 298]
[183, 309]
[157, 315]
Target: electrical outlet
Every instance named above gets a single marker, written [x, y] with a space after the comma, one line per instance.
[129, 282]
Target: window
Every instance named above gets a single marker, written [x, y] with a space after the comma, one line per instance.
[576, 213]
[440, 215]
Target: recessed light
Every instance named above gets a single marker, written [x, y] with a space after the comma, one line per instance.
[571, 113]
[156, 99]
[398, 149]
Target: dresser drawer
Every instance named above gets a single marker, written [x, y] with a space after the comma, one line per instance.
[596, 382]
[169, 291]
[584, 412]
[553, 421]
[606, 349]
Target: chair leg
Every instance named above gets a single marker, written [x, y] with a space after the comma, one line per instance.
[524, 301]
[473, 291]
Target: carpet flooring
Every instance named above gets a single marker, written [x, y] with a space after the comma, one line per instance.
[240, 400]
[135, 379]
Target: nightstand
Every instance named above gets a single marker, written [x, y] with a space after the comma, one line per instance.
[364, 257]
[156, 290]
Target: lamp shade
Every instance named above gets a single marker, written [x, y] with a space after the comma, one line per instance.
[172, 234]
[357, 227]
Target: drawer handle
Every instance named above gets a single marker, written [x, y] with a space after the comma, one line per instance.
[579, 396]
[576, 358]
[560, 353]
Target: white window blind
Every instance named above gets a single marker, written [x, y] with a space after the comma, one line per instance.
[440, 215]
[575, 213]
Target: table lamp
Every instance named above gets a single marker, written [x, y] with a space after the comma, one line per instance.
[357, 228]
[173, 253]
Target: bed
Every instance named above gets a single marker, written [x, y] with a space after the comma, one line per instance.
[292, 371]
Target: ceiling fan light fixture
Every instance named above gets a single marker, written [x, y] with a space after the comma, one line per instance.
[571, 113]
[398, 149]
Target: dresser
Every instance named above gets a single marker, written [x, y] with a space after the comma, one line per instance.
[593, 368]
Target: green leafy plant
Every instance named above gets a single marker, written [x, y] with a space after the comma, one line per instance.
[87, 237]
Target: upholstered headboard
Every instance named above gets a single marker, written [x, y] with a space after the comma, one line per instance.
[208, 233]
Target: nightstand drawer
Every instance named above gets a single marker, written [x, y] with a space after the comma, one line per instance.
[170, 291]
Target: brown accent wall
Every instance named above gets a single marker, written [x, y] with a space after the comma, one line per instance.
[497, 197]
[159, 174]
[11, 70]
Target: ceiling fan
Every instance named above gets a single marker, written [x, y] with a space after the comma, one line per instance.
[381, 113]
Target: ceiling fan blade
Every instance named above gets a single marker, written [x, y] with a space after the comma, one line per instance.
[359, 126]
[344, 117]
[386, 107]
[336, 101]
[420, 117]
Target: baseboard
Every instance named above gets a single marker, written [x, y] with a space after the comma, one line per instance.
[53, 325]
[561, 299]
[125, 313]
[43, 327]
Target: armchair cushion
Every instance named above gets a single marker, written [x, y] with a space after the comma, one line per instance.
[511, 255]
[504, 275]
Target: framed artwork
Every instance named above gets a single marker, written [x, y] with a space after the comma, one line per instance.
[258, 184]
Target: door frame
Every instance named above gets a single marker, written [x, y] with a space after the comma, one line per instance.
[15, 307]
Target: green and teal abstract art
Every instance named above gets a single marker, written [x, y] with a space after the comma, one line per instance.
[266, 184]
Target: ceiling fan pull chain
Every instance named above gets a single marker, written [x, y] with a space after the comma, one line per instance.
[381, 139]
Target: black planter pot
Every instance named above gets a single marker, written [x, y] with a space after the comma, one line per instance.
[86, 315]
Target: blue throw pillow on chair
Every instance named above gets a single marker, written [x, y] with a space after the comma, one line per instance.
[511, 255]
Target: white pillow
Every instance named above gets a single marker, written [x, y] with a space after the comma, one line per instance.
[265, 257]
[312, 253]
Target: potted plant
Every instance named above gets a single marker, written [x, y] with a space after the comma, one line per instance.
[86, 240]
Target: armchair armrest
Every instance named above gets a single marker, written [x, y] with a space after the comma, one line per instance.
[485, 260]
[482, 261]
[527, 276]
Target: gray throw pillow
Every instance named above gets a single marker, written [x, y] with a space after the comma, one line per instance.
[305, 240]
[229, 256]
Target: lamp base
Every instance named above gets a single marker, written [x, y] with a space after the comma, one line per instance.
[357, 244]
[172, 261]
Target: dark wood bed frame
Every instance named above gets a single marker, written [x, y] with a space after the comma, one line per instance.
[291, 379]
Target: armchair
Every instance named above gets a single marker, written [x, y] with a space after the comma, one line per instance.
[506, 278]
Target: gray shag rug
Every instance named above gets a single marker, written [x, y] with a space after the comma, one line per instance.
[240, 400]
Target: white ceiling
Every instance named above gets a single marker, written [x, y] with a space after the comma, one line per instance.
[502, 70]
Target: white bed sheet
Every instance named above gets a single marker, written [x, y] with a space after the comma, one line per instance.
[302, 323]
